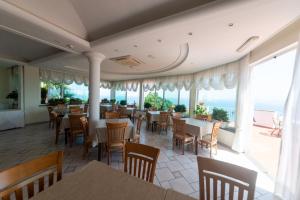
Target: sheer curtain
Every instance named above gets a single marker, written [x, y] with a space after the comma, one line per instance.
[245, 105]
[288, 175]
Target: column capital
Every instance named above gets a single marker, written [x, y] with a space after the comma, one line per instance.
[94, 55]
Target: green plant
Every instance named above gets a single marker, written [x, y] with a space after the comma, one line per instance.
[157, 101]
[180, 108]
[123, 102]
[105, 101]
[113, 101]
[201, 110]
[54, 102]
[220, 114]
[44, 93]
[147, 105]
[13, 95]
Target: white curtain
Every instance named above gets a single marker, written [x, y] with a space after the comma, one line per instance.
[68, 78]
[218, 78]
[288, 175]
[245, 106]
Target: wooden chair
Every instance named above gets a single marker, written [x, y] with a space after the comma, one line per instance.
[162, 124]
[112, 115]
[75, 126]
[149, 122]
[180, 137]
[177, 115]
[215, 175]
[140, 161]
[58, 120]
[211, 140]
[115, 138]
[15, 179]
[86, 107]
[51, 117]
[137, 134]
[87, 140]
[123, 112]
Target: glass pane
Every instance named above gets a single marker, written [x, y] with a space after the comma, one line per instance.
[171, 98]
[74, 90]
[120, 95]
[154, 98]
[185, 99]
[133, 97]
[9, 87]
[104, 93]
[221, 99]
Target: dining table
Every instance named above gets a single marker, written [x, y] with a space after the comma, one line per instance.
[197, 128]
[154, 116]
[97, 180]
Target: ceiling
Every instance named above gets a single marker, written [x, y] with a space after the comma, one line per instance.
[168, 36]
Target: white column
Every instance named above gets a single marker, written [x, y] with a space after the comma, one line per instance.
[95, 60]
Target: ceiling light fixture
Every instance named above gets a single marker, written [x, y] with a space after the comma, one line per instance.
[136, 46]
[190, 33]
[116, 50]
[159, 40]
[246, 44]
[230, 24]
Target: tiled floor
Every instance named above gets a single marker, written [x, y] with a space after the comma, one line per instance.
[173, 169]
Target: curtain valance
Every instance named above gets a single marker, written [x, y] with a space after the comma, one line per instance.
[169, 83]
[218, 78]
[68, 78]
[130, 85]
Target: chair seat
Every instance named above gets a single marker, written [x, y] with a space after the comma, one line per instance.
[186, 138]
[117, 145]
[124, 116]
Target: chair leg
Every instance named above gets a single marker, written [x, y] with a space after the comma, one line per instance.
[108, 157]
[182, 144]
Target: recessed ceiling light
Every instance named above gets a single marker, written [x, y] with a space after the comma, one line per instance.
[159, 40]
[190, 33]
[116, 50]
[151, 56]
[231, 24]
[136, 46]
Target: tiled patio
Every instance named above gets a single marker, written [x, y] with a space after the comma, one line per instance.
[173, 169]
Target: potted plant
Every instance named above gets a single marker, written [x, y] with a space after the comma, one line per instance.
[75, 101]
[113, 101]
[201, 112]
[147, 105]
[14, 96]
[123, 102]
[104, 101]
[44, 94]
[180, 108]
[221, 115]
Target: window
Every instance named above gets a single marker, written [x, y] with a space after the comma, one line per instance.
[133, 97]
[185, 98]
[104, 93]
[76, 91]
[155, 98]
[51, 90]
[172, 96]
[120, 95]
[222, 99]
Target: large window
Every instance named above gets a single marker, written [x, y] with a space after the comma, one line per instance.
[222, 99]
[185, 98]
[120, 95]
[104, 93]
[133, 97]
[172, 96]
[76, 91]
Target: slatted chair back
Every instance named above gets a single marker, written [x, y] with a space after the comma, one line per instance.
[215, 132]
[50, 109]
[75, 123]
[177, 115]
[178, 126]
[219, 179]
[112, 115]
[75, 109]
[18, 182]
[85, 127]
[115, 133]
[163, 117]
[139, 125]
[140, 161]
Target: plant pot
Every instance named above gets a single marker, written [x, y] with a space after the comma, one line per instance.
[202, 117]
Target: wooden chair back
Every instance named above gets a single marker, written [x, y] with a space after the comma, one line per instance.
[140, 161]
[178, 126]
[122, 110]
[14, 181]
[163, 117]
[138, 125]
[215, 132]
[221, 179]
[177, 115]
[50, 109]
[86, 107]
[75, 109]
[115, 133]
[75, 123]
[85, 127]
[112, 115]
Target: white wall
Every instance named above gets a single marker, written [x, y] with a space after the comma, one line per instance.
[34, 113]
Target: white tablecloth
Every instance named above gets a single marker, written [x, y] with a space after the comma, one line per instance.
[154, 116]
[197, 127]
